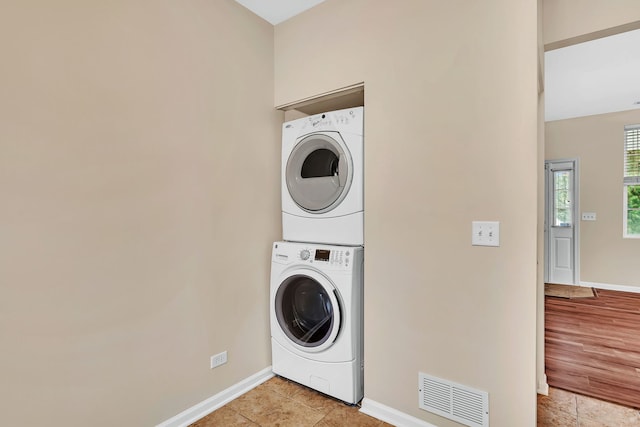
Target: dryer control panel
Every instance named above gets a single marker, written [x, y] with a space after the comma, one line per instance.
[347, 120]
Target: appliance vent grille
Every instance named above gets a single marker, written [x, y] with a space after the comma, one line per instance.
[454, 401]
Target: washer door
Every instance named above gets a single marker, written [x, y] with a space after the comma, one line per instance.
[307, 310]
[319, 172]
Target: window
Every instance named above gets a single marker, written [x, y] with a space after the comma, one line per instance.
[562, 209]
[632, 181]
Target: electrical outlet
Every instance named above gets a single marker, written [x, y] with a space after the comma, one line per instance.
[218, 359]
[485, 233]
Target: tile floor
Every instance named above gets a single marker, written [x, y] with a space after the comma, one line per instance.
[566, 409]
[282, 403]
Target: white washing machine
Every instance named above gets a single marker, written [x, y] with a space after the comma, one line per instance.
[317, 317]
[323, 178]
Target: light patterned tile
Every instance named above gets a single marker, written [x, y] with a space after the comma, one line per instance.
[348, 416]
[593, 412]
[257, 402]
[551, 418]
[289, 414]
[558, 401]
[316, 400]
[224, 417]
[282, 386]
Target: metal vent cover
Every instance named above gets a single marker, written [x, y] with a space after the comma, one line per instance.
[456, 402]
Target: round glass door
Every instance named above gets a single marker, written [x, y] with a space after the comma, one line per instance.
[319, 173]
[308, 312]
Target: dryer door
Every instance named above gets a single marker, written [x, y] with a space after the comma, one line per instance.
[319, 172]
[307, 310]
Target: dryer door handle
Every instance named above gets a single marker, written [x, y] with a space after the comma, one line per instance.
[342, 171]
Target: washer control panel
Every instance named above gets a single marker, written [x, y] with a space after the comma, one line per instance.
[320, 256]
[334, 257]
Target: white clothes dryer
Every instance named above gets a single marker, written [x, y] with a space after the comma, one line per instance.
[323, 178]
[316, 315]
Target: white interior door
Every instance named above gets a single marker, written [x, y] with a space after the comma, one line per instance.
[561, 227]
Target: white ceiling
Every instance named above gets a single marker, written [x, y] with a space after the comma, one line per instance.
[277, 11]
[595, 77]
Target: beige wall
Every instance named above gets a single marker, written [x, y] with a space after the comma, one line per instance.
[597, 141]
[139, 160]
[450, 125]
[566, 19]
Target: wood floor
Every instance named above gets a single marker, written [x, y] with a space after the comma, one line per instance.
[592, 345]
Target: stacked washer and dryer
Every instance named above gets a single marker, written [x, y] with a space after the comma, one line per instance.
[317, 271]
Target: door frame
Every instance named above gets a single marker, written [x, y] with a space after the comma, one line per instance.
[576, 216]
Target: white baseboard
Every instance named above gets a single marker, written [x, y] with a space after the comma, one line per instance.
[206, 407]
[611, 287]
[543, 386]
[390, 415]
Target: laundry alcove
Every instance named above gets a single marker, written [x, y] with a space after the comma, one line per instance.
[338, 99]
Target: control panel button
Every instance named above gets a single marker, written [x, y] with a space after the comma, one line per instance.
[304, 254]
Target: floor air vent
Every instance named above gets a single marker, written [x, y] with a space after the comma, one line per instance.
[454, 401]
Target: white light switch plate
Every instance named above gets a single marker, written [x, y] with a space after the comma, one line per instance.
[588, 216]
[485, 233]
